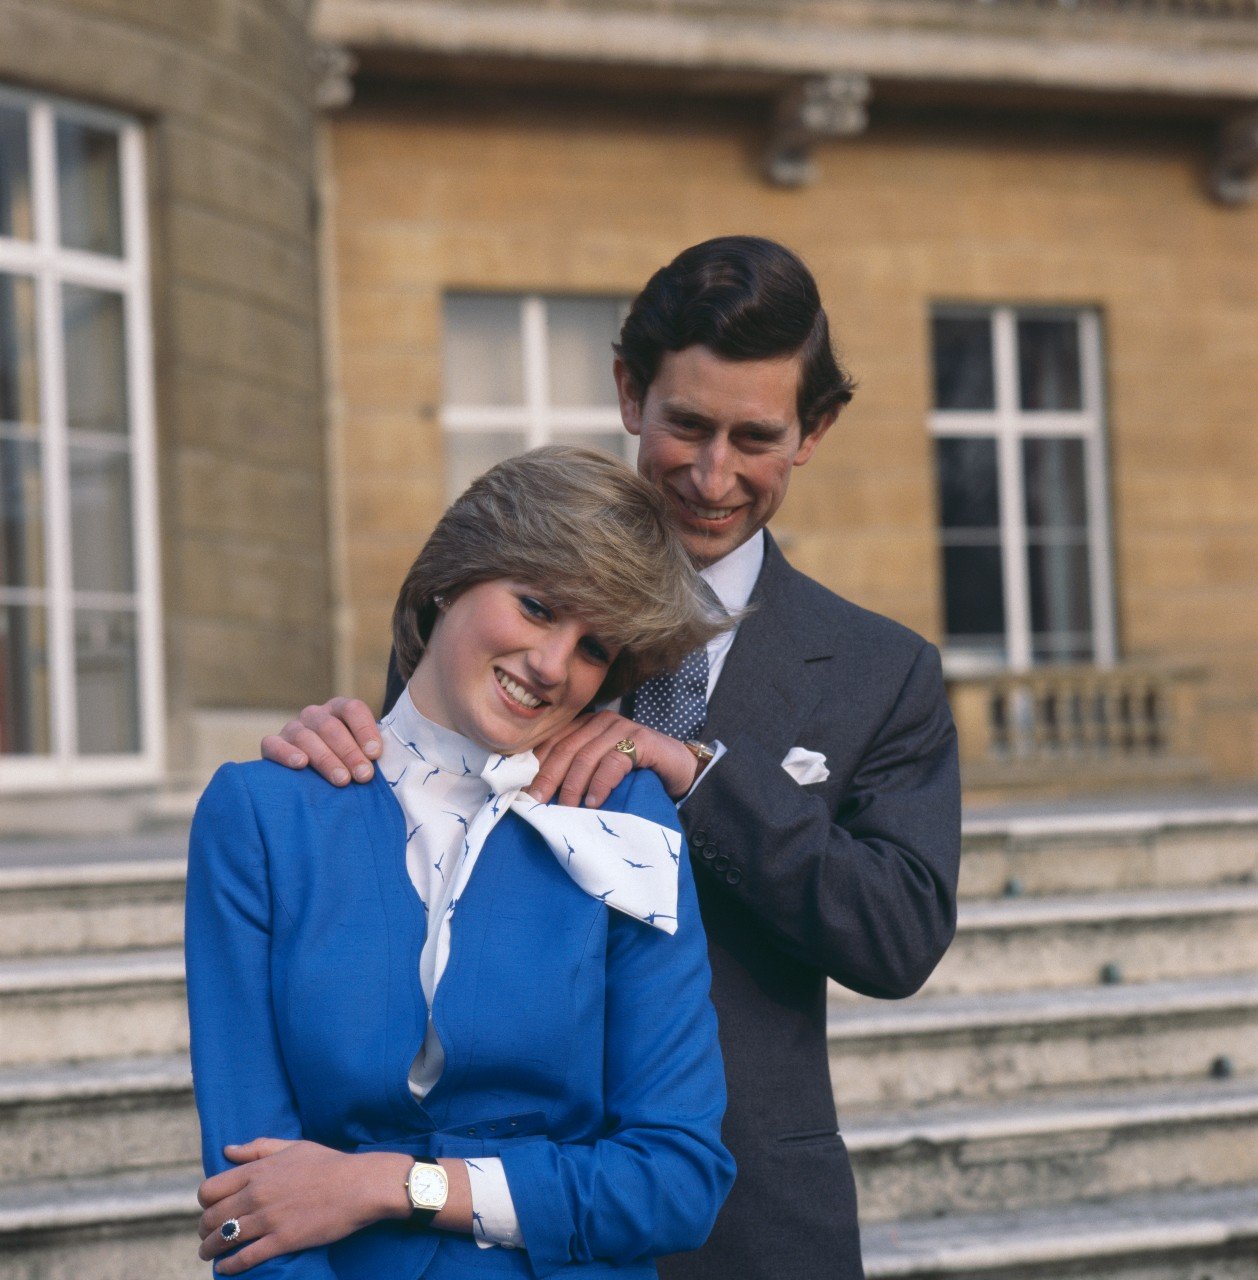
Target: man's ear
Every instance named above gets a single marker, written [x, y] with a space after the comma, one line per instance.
[627, 395]
[808, 446]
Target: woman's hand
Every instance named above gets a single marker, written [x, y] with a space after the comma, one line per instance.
[296, 1195]
[583, 765]
[338, 740]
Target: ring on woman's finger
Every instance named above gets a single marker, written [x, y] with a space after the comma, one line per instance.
[230, 1230]
[627, 747]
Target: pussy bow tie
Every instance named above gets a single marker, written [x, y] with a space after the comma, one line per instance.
[628, 862]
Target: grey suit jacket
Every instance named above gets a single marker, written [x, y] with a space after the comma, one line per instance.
[854, 878]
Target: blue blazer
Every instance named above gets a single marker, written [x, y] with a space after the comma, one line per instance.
[580, 1045]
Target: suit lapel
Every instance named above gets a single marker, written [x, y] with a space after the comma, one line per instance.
[770, 681]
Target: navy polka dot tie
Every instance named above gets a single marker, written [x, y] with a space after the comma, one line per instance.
[675, 703]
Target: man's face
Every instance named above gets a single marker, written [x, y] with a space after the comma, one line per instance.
[719, 438]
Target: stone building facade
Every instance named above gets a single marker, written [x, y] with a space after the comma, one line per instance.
[1035, 232]
[372, 245]
[192, 123]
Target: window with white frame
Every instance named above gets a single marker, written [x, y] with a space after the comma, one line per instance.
[79, 645]
[522, 370]
[1021, 480]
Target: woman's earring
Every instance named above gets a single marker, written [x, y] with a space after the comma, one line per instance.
[440, 601]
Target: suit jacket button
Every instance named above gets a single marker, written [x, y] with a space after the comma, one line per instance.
[720, 863]
[733, 876]
[699, 837]
[708, 852]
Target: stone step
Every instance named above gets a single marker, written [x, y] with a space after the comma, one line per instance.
[75, 1008]
[68, 1121]
[886, 1054]
[1017, 944]
[1143, 847]
[110, 1228]
[1198, 1235]
[1083, 1145]
[113, 906]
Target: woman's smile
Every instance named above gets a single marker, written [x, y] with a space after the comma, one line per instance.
[517, 694]
[507, 667]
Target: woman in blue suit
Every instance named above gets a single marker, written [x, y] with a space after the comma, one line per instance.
[439, 1029]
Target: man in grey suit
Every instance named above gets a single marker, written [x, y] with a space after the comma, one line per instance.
[824, 814]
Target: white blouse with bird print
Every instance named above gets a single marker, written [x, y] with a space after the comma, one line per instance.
[452, 793]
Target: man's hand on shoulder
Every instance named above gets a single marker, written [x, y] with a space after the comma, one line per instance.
[582, 764]
[338, 740]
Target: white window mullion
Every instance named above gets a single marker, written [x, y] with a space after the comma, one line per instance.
[1096, 462]
[143, 444]
[1013, 534]
[55, 451]
[536, 369]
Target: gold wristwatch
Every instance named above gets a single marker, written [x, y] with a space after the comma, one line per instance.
[703, 755]
[428, 1188]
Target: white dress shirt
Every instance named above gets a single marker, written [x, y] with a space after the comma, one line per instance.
[732, 578]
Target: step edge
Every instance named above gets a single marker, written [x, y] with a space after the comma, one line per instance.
[70, 1207]
[887, 1137]
[99, 1079]
[1041, 1007]
[1210, 1231]
[163, 871]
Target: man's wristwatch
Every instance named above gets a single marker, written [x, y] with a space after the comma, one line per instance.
[428, 1189]
[703, 755]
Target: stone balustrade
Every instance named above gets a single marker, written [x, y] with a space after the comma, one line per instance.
[1059, 728]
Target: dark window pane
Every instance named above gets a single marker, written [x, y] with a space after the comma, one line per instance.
[15, 175]
[1060, 583]
[962, 348]
[21, 514]
[974, 594]
[25, 727]
[1055, 485]
[100, 520]
[107, 682]
[1064, 648]
[89, 186]
[1048, 364]
[19, 374]
[969, 493]
[96, 360]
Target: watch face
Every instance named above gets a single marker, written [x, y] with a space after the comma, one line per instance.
[427, 1186]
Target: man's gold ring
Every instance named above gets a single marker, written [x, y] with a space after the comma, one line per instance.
[627, 746]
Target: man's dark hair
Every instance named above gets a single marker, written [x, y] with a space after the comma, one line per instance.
[744, 298]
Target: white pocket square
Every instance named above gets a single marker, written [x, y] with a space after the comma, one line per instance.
[805, 766]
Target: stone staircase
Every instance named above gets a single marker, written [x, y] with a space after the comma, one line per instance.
[1074, 1094]
[99, 1153]
[1075, 1091]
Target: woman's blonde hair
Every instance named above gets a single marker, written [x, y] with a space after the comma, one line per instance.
[589, 534]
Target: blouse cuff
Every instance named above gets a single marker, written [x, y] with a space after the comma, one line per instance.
[493, 1211]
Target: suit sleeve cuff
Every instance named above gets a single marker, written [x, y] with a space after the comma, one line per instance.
[494, 1220]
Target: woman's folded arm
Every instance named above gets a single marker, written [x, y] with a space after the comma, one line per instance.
[242, 1089]
[652, 1184]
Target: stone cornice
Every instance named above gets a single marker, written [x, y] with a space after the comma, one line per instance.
[1022, 43]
